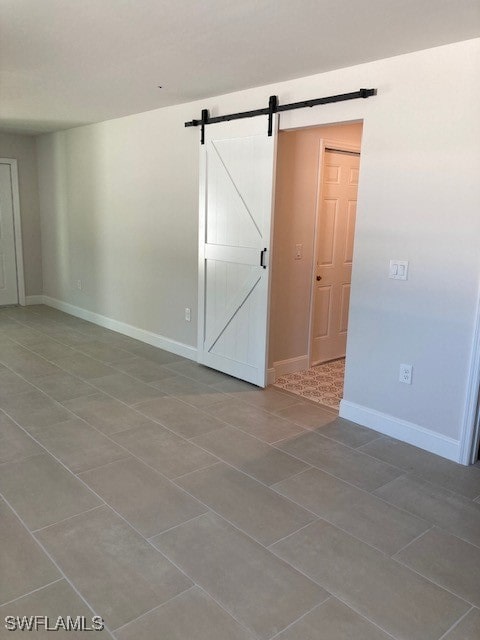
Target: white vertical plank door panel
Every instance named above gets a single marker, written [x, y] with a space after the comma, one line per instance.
[237, 169]
[334, 255]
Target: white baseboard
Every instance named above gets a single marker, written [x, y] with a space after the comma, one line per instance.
[34, 299]
[402, 430]
[155, 339]
[282, 367]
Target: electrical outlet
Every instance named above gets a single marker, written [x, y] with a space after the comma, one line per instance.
[406, 373]
[398, 270]
[298, 251]
[188, 315]
[79, 285]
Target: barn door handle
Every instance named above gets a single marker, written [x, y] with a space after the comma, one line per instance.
[262, 256]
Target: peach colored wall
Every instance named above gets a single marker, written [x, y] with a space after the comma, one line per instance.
[295, 201]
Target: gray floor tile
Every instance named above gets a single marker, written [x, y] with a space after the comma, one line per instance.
[15, 313]
[333, 620]
[144, 370]
[164, 451]
[112, 338]
[183, 419]
[79, 446]
[95, 332]
[357, 512]
[149, 502]
[63, 386]
[52, 350]
[258, 589]
[125, 388]
[253, 420]
[349, 433]
[154, 354]
[115, 569]
[444, 508]
[58, 599]
[83, 366]
[308, 415]
[447, 561]
[24, 335]
[341, 461]
[15, 444]
[65, 334]
[192, 615]
[257, 459]
[11, 384]
[401, 602]
[34, 410]
[103, 352]
[24, 566]
[26, 363]
[234, 385]
[268, 399]
[106, 413]
[190, 391]
[42, 491]
[453, 476]
[197, 372]
[258, 511]
[6, 324]
[467, 629]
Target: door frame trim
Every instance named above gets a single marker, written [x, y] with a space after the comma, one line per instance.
[470, 435]
[17, 228]
[324, 143]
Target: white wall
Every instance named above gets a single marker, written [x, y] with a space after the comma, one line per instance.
[23, 150]
[119, 203]
[119, 211]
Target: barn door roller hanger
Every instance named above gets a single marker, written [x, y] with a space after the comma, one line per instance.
[274, 107]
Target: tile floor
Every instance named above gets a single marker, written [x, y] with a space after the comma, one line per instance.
[322, 384]
[181, 504]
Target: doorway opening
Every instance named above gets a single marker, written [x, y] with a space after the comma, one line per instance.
[314, 228]
[12, 285]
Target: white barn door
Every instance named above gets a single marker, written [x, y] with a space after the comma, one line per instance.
[237, 168]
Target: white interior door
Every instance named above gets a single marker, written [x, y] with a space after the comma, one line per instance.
[236, 194]
[334, 253]
[8, 262]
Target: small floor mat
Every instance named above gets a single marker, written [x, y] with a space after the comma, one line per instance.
[322, 384]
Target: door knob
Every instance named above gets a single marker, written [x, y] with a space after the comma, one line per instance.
[319, 278]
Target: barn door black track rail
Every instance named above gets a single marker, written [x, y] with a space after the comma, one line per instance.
[274, 107]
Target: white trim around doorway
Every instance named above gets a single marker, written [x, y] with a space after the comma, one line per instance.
[470, 437]
[17, 228]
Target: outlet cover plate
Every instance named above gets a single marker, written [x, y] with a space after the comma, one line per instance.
[398, 270]
[405, 374]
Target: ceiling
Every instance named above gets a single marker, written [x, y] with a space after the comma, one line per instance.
[69, 62]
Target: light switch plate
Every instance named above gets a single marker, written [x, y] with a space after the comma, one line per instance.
[398, 270]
